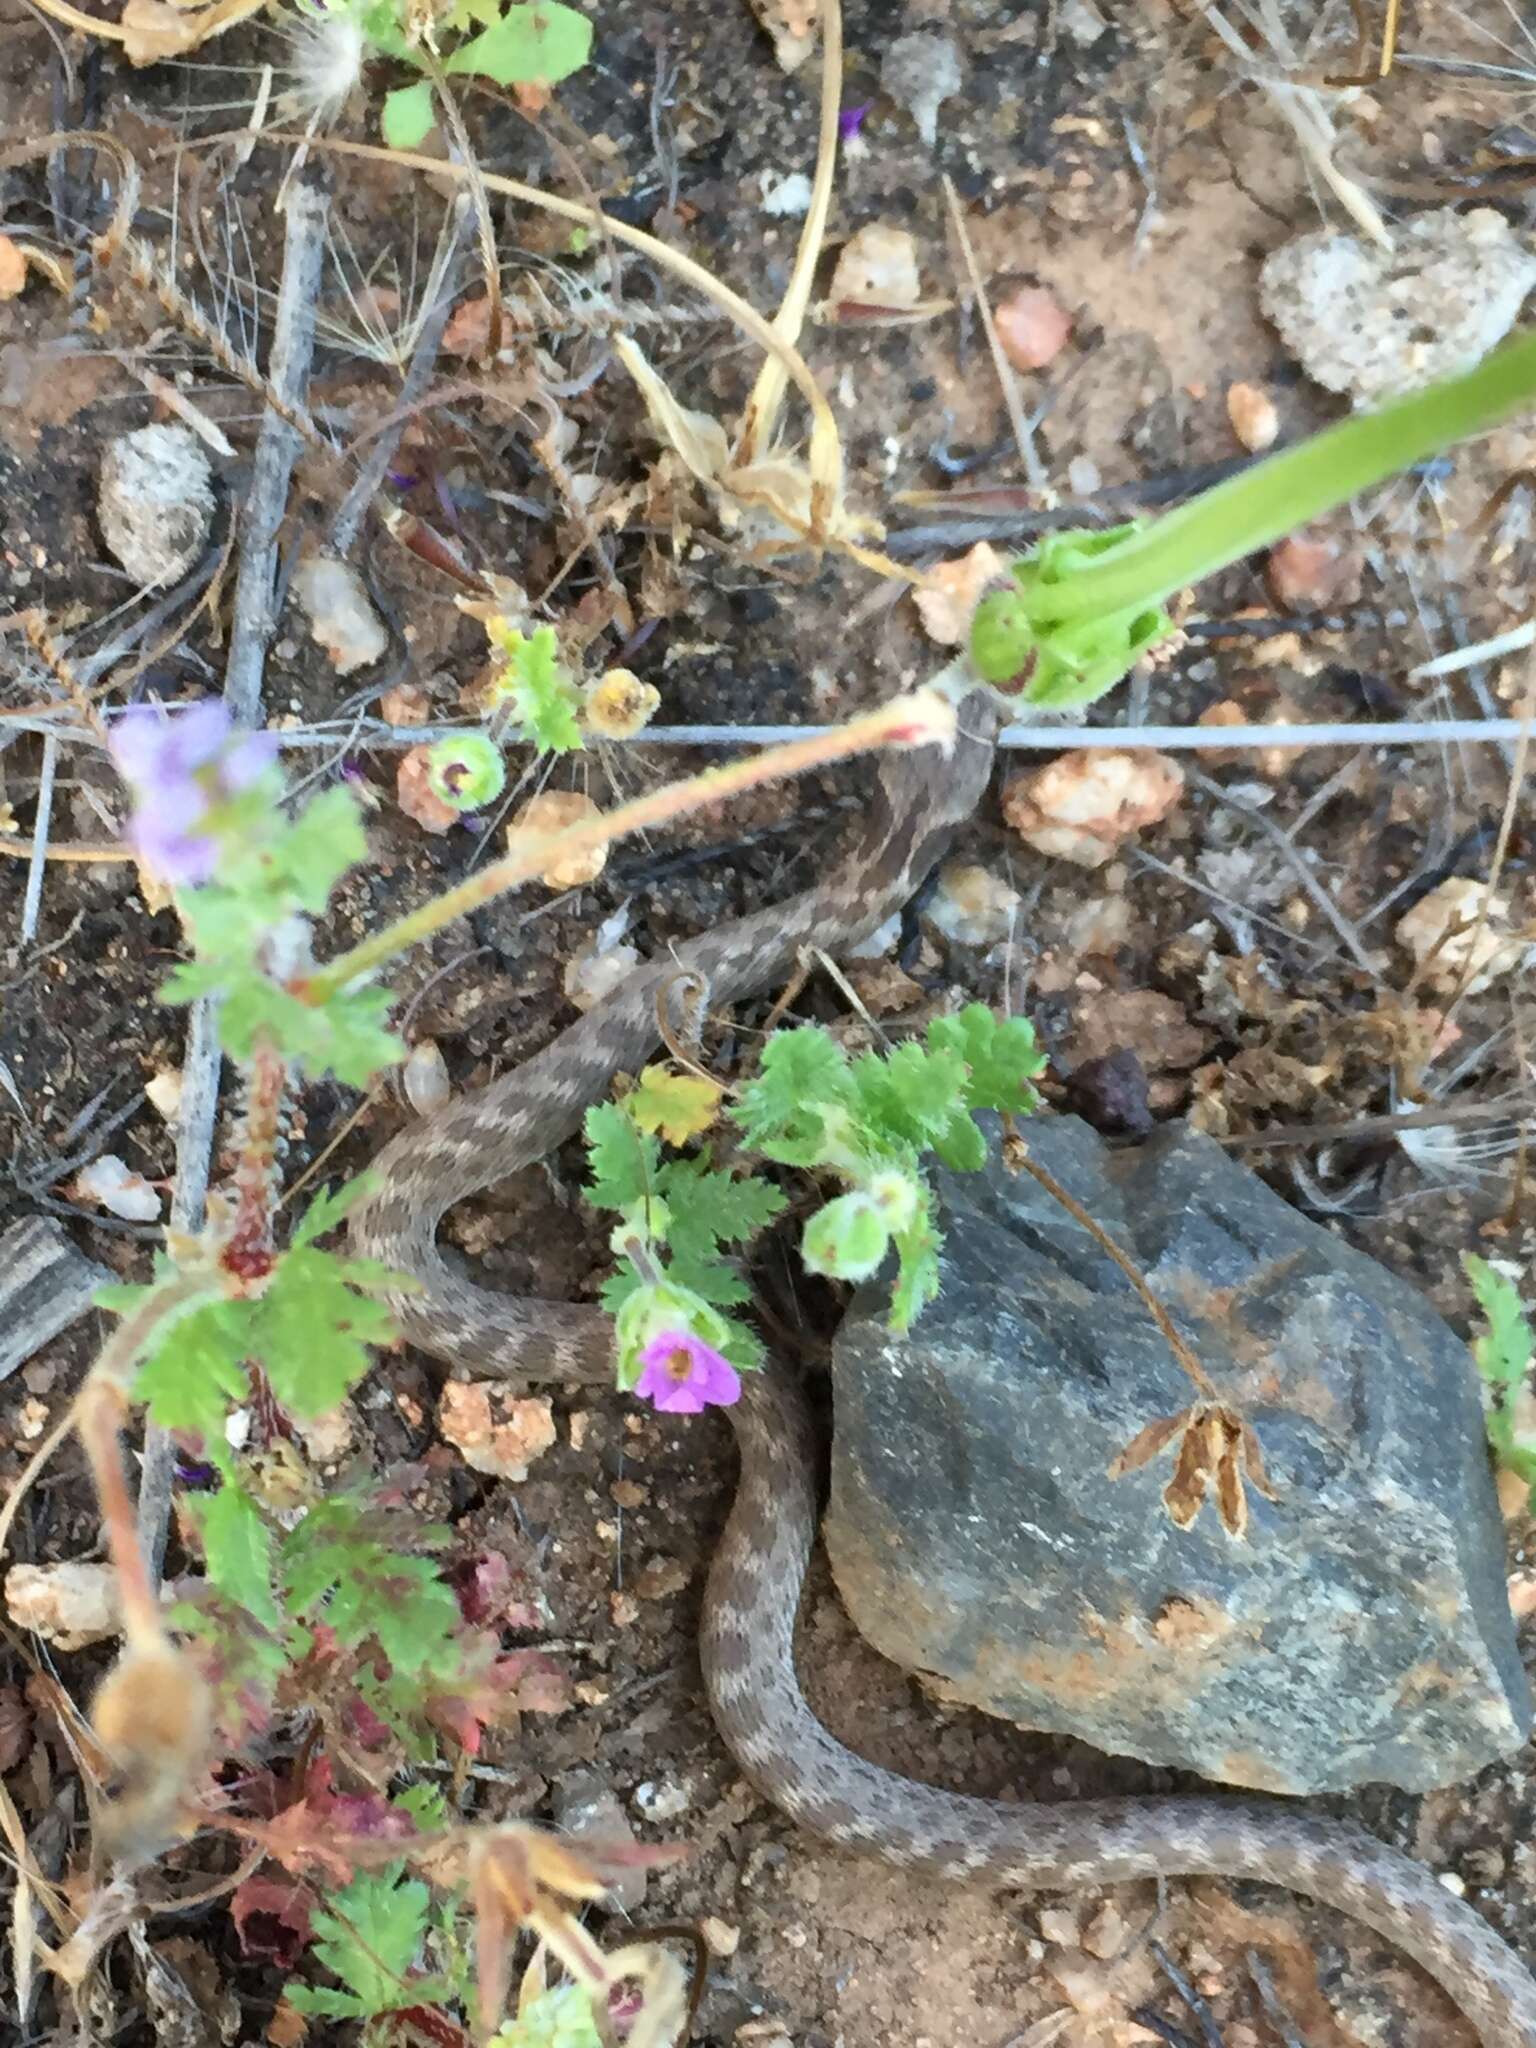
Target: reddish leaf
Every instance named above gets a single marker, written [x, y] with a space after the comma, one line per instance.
[272, 1917]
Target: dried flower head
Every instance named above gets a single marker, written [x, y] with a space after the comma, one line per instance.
[1215, 1444]
[327, 50]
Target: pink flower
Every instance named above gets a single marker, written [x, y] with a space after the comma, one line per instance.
[682, 1375]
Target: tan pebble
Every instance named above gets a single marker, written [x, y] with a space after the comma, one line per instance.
[629, 1493]
[581, 1422]
[1254, 419]
[1082, 1981]
[555, 811]
[1059, 1924]
[720, 1937]
[1515, 1506]
[661, 1578]
[877, 266]
[591, 1694]
[1081, 806]
[1032, 327]
[624, 1609]
[1106, 1933]
[405, 704]
[1305, 574]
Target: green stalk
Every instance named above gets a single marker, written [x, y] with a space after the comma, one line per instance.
[1275, 497]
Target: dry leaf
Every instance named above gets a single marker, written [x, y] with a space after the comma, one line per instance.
[952, 591]
[13, 268]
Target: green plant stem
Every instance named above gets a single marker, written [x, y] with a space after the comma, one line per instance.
[909, 721]
[1267, 502]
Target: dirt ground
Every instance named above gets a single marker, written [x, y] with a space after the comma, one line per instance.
[1117, 156]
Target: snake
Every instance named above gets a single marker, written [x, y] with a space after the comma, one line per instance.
[757, 1573]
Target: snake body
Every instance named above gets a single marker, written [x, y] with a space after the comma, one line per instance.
[758, 1570]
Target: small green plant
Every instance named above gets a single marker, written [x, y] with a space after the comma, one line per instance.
[866, 1123]
[1503, 1351]
[529, 47]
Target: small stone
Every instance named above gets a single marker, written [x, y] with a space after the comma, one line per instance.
[155, 502]
[920, 72]
[877, 267]
[973, 906]
[1306, 574]
[341, 616]
[1059, 1924]
[883, 988]
[1081, 807]
[662, 1802]
[1254, 418]
[1106, 1933]
[1033, 327]
[1460, 930]
[493, 1431]
[111, 1184]
[327, 1438]
[661, 1578]
[1082, 1981]
[626, 1493]
[405, 704]
[163, 1091]
[720, 1938]
[555, 811]
[424, 1077]
[623, 1609]
[1376, 322]
[586, 1808]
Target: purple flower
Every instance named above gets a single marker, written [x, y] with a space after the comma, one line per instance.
[682, 1374]
[851, 120]
[179, 764]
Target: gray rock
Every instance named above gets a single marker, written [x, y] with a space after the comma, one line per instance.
[1360, 1634]
[1381, 322]
[155, 502]
[920, 72]
[586, 1807]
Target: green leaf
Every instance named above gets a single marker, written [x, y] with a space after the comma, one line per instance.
[537, 44]
[560, 2017]
[407, 115]
[543, 696]
[1001, 1054]
[907, 1096]
[348, 1566]
[621, 1162]
[371, 1938]
[917, 1270]
[238, 1545]
[707, 1209]
[782, 1111]
[197, 1374]
[1504, 1350]
[312, 1327]
[322, 843]
[330, 1206]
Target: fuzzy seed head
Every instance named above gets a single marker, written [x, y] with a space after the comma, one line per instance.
[327, 50]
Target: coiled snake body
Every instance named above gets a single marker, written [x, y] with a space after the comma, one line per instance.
[755, 1580]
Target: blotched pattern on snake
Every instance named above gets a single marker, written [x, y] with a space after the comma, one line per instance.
[755, 1581]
